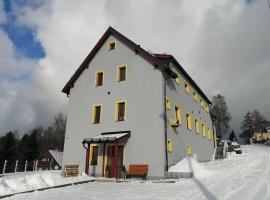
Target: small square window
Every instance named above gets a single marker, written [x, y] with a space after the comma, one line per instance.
[122, 73]
[187, 88]
[111, 45]
[202, 103]
[207, 108]
[197, 126]
[177, 114]
[168, 103]
[195, 96]
[169, 146]
[99, 78]
[188, 120]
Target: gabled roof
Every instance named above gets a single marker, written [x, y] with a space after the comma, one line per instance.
[166, 59]
[58, 156]
[136, 48]
[157, 60]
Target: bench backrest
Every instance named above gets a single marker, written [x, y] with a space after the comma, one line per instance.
[138, 169]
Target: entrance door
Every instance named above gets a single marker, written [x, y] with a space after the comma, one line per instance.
[111, 160]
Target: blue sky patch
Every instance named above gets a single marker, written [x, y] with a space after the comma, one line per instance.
[22, 37]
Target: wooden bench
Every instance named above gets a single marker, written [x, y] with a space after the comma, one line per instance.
[137, 171]
[71, 170]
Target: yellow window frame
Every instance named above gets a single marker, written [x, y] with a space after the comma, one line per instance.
[118, 71]
[197, 126]
[177, 111]
[195, 96]
[188, 121]
[177, 80]
[203, 130]
[96, 77]
[168, 103]
[187, 87]
[110, 44]
[207, 108]
[201, 103]
[209, 133]
[94, 113]
[169, 145]
[117, 110]
[91, 153]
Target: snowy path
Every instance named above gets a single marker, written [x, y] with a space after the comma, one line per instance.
[245, 176]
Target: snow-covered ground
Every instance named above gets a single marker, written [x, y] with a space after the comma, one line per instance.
[245, 176]
[20, 182]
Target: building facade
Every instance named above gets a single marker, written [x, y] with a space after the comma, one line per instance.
[128, 106]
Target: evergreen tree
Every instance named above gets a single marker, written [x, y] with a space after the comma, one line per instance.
[232, 136]
[220, 115]
[8, 144]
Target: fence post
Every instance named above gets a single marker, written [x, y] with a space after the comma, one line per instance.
[16, 165]
[25, 166]
[36, 165]
[4, 168]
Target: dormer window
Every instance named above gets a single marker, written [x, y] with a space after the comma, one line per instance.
[111, 45]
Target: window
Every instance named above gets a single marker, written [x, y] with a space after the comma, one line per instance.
[121, 72]
[197, 126]
[111, 45]
[188, 120]
[93, 155]
[177, 79]
[169, 146]
[96, 115]
[187, 88]
[207, 108]
[177, 114]
[120, 111]
[202, 103]
[209, 133]
[195, 96]
[203, 130]
[168, 103]
[99, 78]
[188, 150]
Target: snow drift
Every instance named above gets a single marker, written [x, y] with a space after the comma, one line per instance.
[20, 182]
[191, 165]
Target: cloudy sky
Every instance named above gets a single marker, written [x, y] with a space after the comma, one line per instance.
[223, 45]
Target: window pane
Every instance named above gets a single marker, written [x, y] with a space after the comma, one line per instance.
[97, 114]
[94, 158]
[121, 111]
[99, 79]
[122, 73]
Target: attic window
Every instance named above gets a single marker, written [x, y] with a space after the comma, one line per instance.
[187, 88]
[111, 45]
[177, 78]
[99, 78]
[195, 96]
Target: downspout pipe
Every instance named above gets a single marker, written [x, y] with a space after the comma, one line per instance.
[165, 121]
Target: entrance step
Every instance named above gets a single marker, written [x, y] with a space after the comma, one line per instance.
[177, 175]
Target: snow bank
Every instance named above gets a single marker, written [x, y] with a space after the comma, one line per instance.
[191, 165]
[20, 182]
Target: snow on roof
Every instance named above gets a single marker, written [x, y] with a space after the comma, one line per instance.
[58, 156]
[106, 138]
